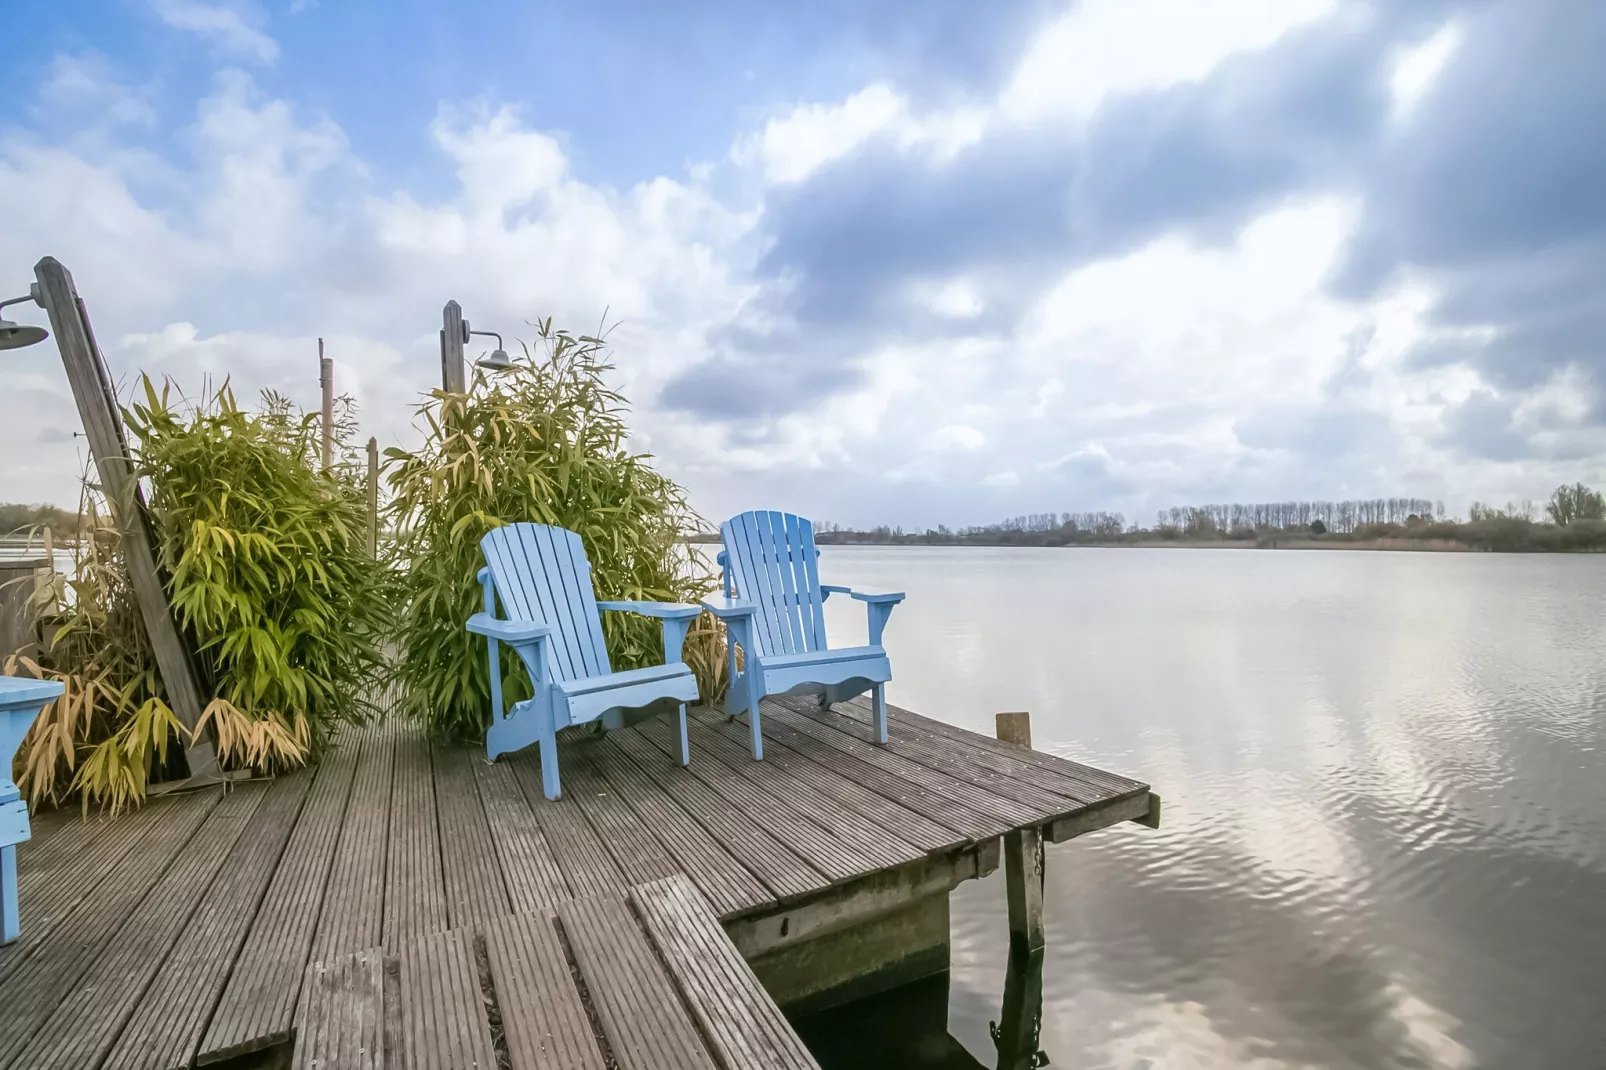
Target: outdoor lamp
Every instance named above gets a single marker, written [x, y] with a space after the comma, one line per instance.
[18, 335]
[498, 361]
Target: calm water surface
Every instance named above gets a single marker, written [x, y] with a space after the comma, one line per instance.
[1384, 841]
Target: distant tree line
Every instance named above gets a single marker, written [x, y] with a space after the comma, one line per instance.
[22, 519]
[1574, 519]
[1342, 516]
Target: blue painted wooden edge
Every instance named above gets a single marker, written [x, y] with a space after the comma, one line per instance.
[726, 608]
[20, 691]
[508, 631]
[662, 610]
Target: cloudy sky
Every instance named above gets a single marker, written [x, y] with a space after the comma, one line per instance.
[920, 263]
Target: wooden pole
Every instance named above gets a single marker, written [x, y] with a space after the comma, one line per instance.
[1023, 859]
[452, 379]
[373, 497]
[326, 381]
[452, 376]
[1014, 728]
[103, 426]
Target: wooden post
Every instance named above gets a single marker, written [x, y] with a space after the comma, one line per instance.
[452, 380]
[1014, 728]
[1023, 859]
[19, 611]
[373, 497]
[103, 426]
[326, 382]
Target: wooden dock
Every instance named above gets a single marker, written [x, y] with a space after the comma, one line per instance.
[405, 904]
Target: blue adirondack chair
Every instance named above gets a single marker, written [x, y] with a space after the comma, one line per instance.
[774, 606]
[554, 622]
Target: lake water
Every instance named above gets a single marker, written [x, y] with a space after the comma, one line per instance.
[1384, 838]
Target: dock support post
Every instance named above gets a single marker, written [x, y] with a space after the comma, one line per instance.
[1023, 858]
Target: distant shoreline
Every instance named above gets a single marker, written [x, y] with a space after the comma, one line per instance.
[1441, 546]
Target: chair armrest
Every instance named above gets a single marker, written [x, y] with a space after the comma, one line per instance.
[729, 608]
[661, 610]
[483, 575]
[508, 631]
[827, 590]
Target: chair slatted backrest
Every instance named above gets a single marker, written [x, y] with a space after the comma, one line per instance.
[541, 574]
[770, 560]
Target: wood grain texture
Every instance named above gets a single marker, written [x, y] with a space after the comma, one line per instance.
[737, 1016]
[641, 1014]
[88, 1021]
[543, 1018]
[40, 982]
[442, 1011]
[167, 1027]
[259, 1005]
[343, 1023]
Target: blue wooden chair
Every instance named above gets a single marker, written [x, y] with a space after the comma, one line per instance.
[774, 606]
[21, 699]
[554, 622]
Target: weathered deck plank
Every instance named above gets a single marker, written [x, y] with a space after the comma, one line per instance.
[728, 739]
[353, 915]
[957, 814]
[415, 888]
[968, 765]
[474, 887]
[442, 1013]
[168, 1025]
[737, 1016]
[259, 1004]
[543, 1019]
[534, 882]
[893, 762]
[84, 1026]
[41, 981]
[765, 789]
[587, 867]
[646, 1026]
[46, 901]
[720, 874]
[343, 1023]
[1057, 772]
[633, 846]
[782, 870]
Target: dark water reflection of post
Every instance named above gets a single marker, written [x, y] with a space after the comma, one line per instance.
[907, 1028]
[1016, 1032]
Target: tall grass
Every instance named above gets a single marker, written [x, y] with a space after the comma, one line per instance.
[547, 442]
[268, 573]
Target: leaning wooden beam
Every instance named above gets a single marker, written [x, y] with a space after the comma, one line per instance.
[97, 407]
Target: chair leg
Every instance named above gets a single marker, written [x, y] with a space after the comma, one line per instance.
[549, 761]
[752, 716]
[685, 746]
[879, 705]
[825, 700]
[9, 922]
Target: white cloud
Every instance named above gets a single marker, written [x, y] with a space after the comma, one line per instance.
[959, 437]
[1002, 479]
[1416, 69]
[792, 147]
[84, 85]
[1105, 48]
[233, 27]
